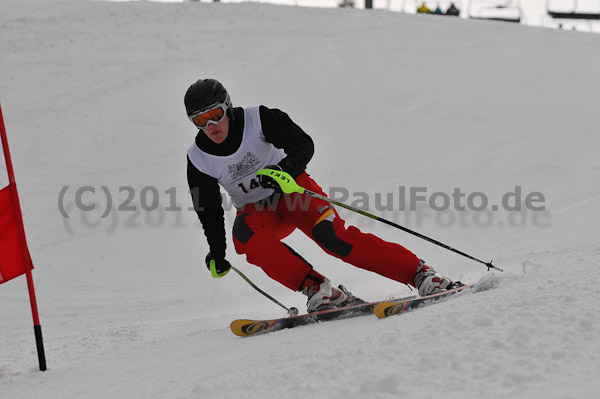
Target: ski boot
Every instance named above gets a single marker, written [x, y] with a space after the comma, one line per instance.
[429, 282]
[323, 295]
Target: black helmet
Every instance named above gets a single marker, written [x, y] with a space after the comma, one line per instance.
[206, 93]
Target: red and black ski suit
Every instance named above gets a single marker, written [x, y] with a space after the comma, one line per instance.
[259, 227]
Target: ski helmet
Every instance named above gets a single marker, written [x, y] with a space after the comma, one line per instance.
[204, 94]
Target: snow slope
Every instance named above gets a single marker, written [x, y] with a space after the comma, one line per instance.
[92, 98]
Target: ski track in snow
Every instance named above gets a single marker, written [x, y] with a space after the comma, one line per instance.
[92, 96]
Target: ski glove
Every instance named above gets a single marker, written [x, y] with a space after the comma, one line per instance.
[218, 266]
[267, 181]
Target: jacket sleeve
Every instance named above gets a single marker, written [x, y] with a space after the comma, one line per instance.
[206, 196]
[282, 132]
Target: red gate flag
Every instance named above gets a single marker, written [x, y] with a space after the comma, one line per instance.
[12, 261]
[14, 255]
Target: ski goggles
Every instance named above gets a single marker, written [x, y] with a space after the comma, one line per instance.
[211, 115]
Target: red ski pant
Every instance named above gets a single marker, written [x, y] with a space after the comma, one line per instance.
[260, 227]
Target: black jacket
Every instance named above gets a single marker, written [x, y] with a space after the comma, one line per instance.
[279, 130]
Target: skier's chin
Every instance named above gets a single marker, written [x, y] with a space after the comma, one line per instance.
[217, 136]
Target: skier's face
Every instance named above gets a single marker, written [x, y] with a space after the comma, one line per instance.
[218, 133]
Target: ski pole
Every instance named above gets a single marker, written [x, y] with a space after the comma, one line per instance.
[291, 311]
[289, 186]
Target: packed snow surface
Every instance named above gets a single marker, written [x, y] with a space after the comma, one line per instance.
[92, 95]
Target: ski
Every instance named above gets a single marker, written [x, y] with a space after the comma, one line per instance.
[247, 328]
[385, 309]
[382, 309]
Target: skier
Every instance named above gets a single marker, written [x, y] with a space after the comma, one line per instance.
[231, 145]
